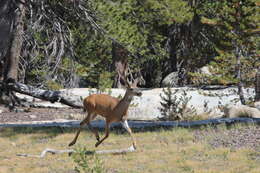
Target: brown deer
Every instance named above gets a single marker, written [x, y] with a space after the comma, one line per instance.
[111, 108]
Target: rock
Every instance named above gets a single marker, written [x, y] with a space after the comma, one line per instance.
[257, 105]
[32, 116]
[205, 70]
[171, 80]
[45, 104]
[148, 106]
[3, 109]
[241, 111]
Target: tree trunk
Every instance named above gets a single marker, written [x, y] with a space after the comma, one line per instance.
[171, 49]
[12, 57]
[257, 85]
[239, 84]
[11, 31]
[6, 21]
[119, 56]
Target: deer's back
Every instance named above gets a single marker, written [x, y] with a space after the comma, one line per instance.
[101, 104]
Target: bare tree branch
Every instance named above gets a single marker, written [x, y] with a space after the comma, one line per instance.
[54, 151]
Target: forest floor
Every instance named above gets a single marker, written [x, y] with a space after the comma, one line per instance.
[222, 149]
[218, 149]
[37, 114]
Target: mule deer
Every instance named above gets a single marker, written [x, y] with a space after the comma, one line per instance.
[111, 108]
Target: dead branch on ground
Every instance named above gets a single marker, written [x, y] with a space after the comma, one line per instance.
[70, 151]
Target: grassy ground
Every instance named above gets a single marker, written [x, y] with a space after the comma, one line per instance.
[174, 150]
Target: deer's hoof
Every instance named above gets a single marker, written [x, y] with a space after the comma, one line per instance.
[72, 143]
[97, 144]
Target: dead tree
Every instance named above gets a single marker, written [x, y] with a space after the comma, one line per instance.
[19, 21]
[257, 85]
[238, 54]
[12, 22]
[121, 66]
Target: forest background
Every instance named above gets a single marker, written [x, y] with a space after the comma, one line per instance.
[55, 44]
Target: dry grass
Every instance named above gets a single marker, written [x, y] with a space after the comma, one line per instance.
[164, 150]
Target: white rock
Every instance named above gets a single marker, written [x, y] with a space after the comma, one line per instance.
[205, 70]
[171, 80]
[147, 106]
[32, 116]
[257, 105]
[241, 111]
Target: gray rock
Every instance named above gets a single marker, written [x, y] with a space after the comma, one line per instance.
[32, 116]
[205, 70]
[147, 106]
[171, 80]
[257, 105]
[241, 111]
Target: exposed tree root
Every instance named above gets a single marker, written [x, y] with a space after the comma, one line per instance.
[53, 151]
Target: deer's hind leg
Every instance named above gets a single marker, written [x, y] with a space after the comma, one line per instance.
[91, 128]
[84, 122]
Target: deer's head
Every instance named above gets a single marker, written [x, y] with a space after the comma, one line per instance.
[132, 90]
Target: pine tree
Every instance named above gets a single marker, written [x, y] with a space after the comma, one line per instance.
[238, 19]
[236, 24]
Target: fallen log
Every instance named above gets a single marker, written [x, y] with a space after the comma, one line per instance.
[44, 152]
[54, 151]
[48, 95]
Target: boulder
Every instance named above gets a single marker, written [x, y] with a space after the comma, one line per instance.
[205, 70]
[257, 105]
[241, 111]
[148, 106]
[171, 80]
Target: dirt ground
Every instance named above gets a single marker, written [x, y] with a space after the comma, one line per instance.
[234, 138]
[36, 114]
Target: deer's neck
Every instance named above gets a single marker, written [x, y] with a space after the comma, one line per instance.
[127, 98]
[123, 105]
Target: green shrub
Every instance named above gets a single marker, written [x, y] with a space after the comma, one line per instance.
[87, 162]
[174, 108]
[105, 82]
[52, 85]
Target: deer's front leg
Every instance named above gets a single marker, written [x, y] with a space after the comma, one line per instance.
[126, 126]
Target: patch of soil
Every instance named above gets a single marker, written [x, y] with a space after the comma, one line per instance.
[36, 114]
[234, 138]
